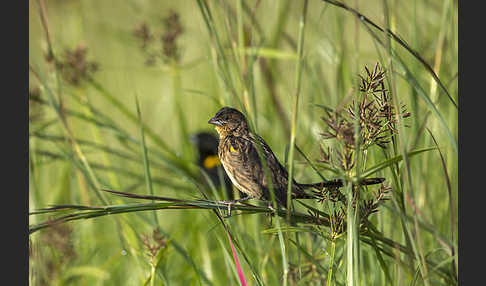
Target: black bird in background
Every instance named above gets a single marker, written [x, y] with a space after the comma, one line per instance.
[207, 149]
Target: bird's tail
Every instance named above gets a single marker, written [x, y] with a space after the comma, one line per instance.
[301, 194]
[339, 183]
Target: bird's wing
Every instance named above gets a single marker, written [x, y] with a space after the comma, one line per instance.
[277, 172]
[273, 163]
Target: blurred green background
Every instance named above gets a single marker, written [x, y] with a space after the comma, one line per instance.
[178, 95]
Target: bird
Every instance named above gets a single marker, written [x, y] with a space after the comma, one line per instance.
[238, 152]
[206, 145]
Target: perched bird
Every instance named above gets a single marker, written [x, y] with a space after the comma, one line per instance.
[207, 149]
[238, 152]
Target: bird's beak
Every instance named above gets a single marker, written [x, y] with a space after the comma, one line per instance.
[215, 121]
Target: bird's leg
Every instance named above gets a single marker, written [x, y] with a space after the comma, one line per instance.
[229, 203]
[270, 206]
[272, 213]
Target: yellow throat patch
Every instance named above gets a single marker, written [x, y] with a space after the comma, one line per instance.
[211, 162]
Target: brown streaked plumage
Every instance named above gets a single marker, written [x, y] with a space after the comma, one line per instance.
[237, 150]
[207, 148]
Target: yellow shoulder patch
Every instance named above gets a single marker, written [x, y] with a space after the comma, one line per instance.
[232, 149]
[211, 162]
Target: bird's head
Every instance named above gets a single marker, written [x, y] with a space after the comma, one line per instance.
[229, 121]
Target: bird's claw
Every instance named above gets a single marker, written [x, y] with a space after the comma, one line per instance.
[271, 208]
[229, 210]
[228, 204]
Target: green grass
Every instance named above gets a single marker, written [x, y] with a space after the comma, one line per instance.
[126, 127]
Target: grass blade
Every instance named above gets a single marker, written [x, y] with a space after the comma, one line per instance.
[146, 167]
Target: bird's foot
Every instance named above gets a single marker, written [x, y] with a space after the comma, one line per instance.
[270, 206]
[272, 213]
[230, 203]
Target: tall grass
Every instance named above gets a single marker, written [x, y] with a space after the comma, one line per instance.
[283, 66]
